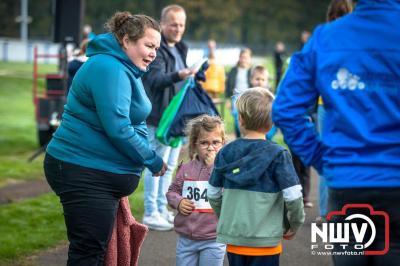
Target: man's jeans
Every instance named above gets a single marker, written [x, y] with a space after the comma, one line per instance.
[235, 115]
[155, 188]
[323, 187]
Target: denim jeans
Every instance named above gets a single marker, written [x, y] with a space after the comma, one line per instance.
[155, 188]
[323, 187]
[235, 115]
[199, 252]
[90, 201]
[323, 196]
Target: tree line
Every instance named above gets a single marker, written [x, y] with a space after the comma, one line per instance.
[254, 23]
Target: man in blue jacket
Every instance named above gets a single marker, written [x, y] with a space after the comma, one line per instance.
[162, 82]
[354, 64]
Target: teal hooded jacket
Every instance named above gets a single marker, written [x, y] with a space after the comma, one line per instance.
[103, 126]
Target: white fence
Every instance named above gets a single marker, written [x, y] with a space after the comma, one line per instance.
[16, 51]
[224, 56]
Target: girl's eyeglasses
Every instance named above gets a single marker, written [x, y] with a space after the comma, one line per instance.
[205, 144]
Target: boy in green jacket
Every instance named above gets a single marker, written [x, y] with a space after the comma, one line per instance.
[252, 184]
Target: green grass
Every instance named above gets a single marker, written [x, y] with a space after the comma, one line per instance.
[29, 226]
[24, 70]
[18, 137]
[37, 224]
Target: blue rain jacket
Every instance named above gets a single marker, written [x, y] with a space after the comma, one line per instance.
[354, 64]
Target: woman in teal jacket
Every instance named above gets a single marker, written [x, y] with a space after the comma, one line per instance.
[97, 154]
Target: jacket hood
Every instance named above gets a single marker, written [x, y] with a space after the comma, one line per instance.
[244, 165]
[107, 44]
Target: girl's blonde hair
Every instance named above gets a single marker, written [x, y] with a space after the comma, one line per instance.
[204, 122]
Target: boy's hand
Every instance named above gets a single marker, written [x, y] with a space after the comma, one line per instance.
[289, 235]
[186, 207]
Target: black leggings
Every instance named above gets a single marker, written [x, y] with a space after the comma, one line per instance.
[90, 201]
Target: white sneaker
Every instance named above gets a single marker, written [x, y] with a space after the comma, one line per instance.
[156, 222]
[169, 216]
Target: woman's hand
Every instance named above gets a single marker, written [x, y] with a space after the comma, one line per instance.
[185, 207]
[164, 168]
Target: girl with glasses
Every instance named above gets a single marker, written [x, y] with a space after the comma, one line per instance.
[196, 222]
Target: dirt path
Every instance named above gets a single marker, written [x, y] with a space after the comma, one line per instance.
[159, 247]
[23, 190]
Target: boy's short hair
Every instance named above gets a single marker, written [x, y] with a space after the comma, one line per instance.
[254, 108]
[259, 69]
[245, 50]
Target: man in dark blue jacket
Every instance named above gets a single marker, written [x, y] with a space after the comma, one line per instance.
[165, 78]
[354, 64]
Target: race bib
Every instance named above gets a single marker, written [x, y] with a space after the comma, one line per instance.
[196, 191]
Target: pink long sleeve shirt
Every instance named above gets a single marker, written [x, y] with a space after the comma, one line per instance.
[197, 225]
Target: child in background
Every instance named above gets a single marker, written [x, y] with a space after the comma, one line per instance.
[252, 183]
[237, 82]
[76, 62]
[260, 78]
[196, 222]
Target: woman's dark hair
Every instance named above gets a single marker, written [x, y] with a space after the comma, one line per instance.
[134, 26]
[338, 8]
